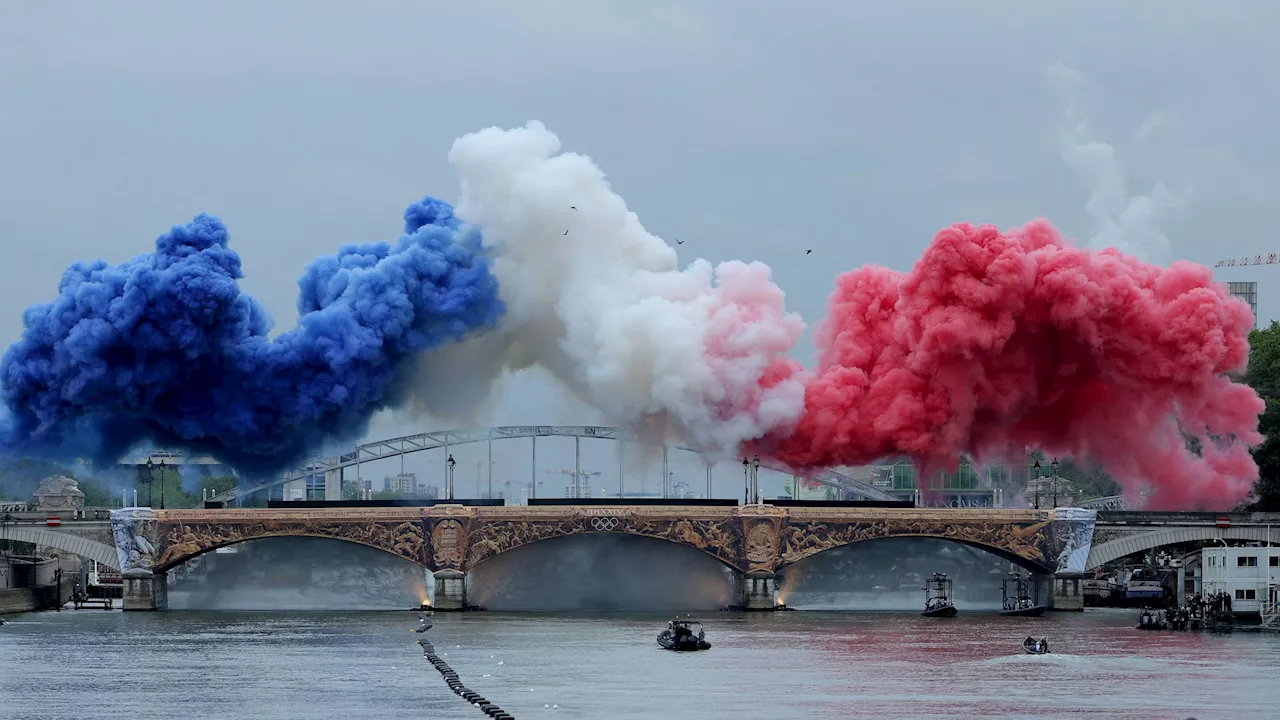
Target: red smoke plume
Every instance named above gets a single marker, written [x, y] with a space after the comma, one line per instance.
[995, 342]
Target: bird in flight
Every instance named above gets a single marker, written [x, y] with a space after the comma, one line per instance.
[806, 252]
[573, 207]
[679, 242]
[566, 232]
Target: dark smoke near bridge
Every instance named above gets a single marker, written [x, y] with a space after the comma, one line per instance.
[297, 574]
[583, 573]
[890, 575]
[601, 573]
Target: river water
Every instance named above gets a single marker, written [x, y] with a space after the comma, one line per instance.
[353, 665]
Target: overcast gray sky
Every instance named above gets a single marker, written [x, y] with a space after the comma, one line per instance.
[752, 130]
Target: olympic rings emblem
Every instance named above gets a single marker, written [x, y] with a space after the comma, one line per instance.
[604, 524]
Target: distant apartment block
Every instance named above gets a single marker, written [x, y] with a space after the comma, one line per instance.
[1248, 292]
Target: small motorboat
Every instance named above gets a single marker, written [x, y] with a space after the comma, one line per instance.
[1018, 601]
[937, 598]
[680, 636]
[1035, 647]
[1150, 621]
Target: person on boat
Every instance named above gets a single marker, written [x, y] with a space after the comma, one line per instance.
[1043, 645]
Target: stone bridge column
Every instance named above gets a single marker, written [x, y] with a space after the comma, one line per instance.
[1068, 591]
[759, 591]
[447, 530]
[146, 592]
[451, 590]
[761, 539]
[1071, 542]
[134, 532]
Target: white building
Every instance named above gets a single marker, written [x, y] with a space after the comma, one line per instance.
[1250, 575]
[402, 484]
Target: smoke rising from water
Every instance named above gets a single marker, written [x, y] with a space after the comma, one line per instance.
[601, 572]
[297, 574]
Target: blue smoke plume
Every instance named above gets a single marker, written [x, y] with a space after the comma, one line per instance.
[166, 348]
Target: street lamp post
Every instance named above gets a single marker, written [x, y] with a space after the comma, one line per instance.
[1036, 467]
[162, 484]
[151, 479]
[1054, 467]
[746, 482]
[448, 486]
[755, 478]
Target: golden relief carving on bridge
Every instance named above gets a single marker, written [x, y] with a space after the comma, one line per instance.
[761, 544]
[181, 541]
[714, 536]
[446, 543]
[802, 539]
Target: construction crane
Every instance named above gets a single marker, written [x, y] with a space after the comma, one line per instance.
[506, 484]
[579, 487]
[479, 467]
[1268, 259]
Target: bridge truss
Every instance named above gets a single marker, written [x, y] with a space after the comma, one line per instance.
[444, 439]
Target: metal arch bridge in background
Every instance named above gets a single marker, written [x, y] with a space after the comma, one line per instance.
[396, 447]
[1114, 502]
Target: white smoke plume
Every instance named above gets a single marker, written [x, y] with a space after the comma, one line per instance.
[601, 303]
[1128, 223]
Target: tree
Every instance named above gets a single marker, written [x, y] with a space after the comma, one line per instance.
[1090, 478]
[1263, 376]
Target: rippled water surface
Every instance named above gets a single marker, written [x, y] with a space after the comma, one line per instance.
[273, 666]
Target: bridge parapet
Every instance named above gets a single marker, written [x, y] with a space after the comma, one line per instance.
[1149, 517]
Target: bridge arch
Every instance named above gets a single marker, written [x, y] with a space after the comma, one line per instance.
[99, 552]
[180, 542]
[1112, 550]
[444, 439]
[1004, 553]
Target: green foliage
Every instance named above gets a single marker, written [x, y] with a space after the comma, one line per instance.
[1263, 376]
[19, 479]
[1090, 478]
[149, 484]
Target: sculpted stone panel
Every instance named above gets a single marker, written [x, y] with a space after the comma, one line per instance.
[1030, 541]
[714, 536]
[447, 549]
[133, 531]
[761, 543]
[179, 541]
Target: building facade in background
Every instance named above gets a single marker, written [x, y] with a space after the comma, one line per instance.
[405, 483]
[1250, 575]
[1248, 292]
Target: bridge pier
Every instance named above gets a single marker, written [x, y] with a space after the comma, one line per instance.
[1067, 591]
[146, 592]
[759, 591]
[451, 590]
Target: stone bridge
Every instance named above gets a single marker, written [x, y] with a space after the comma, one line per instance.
[754, 540]
[89, 539]
[1119, 534]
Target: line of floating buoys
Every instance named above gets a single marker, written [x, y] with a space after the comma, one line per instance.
[451, 679]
